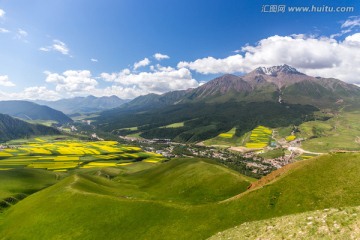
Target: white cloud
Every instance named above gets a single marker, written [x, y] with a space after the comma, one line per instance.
[5, 82]
[135, 84]
[31, 93]
[348, 26]
[351, 22]
[40, 93]
[57, 46]
[93, 60]
[211, 65]
[60, 47]
[159, 56]
[320, 56]
[120, 91]
[2, 13]
[44, 49]
[72, 81]
[112, 77]
[4, 30]
[21, 34]
[141, 63]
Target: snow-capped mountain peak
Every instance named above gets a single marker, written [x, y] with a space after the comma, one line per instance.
[273, 71]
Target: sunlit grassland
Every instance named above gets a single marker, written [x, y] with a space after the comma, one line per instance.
[341, 132]
[66, 155]
[186, 199]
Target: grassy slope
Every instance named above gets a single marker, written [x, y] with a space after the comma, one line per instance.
[340, 132]
[189, 181]
[94, 208]
[24, 181]
[321, 224]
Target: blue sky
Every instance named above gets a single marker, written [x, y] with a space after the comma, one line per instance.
[60, 48]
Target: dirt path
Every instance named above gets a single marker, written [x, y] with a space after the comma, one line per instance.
[300, 150]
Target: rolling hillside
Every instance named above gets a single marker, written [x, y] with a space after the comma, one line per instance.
[17, 184]
[11, 128]
[32, 111]
[114, 208]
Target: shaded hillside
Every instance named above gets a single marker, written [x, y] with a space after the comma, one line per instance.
[11, 128]
[32, 111]
[205, 120]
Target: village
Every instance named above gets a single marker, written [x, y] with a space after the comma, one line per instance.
[239, 158]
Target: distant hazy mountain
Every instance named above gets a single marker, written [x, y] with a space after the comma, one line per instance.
[32, 111]
[11, 128]
[154, 100]
[87, 104]
[275, 96]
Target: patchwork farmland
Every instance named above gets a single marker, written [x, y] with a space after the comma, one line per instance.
[259, 138]
[62, 156]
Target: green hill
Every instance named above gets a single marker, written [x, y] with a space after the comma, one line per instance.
[17, 184]
[191, 181]
[32, 111]
[133, 206]
[11, 128]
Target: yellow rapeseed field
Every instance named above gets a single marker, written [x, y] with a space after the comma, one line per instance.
[259, 138]
[65, 155]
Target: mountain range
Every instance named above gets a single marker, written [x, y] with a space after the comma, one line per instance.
[31, 111]
[273, 96]
[89, 104]
[275, 83]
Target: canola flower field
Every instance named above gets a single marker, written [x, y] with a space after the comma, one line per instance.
[259, 138]
[228, 134]
[62, 156]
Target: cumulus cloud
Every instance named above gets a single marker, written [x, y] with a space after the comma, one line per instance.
[322, 56]
[141, 63]
[31, 93]
[159, 56]
[4, 30]
[2, 13]
[40, 93]
[5, 81]
[72, 81]
[93, 60]
[112, 77]
[160, 81]
[57, 46]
